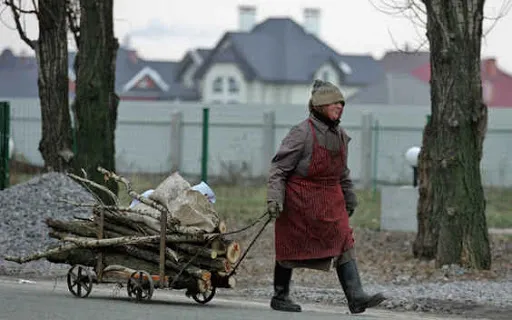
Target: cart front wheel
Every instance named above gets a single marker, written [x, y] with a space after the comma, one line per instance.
[140, 286]
[79, 281]
[204, 297]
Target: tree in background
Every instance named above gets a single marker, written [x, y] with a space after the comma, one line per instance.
[51, 52]
[95, 105]
[452, 225]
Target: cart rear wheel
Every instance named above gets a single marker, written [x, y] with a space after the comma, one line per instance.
[79, 281]
[140, 286]
[204, 297]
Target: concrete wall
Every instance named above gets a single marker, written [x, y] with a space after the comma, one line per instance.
[239, 138]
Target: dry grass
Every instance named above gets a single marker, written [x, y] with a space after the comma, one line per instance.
[240, 204]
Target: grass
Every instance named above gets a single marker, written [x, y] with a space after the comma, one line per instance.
[241, 204]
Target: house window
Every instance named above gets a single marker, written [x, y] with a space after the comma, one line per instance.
[217, 85]
[233, 85]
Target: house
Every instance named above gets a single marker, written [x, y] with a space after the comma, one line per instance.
[273, 62]
[496, 83]
[407, 81]
[136, 78]
[394, 89]
[276, 61]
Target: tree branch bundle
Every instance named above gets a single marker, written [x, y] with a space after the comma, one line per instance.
[130, 241]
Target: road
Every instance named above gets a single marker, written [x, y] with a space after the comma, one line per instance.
[51, 300]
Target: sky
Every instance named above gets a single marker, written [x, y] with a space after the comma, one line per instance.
[166, 29]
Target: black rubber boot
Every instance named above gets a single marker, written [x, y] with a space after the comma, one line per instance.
[358, 300]
[281, 300]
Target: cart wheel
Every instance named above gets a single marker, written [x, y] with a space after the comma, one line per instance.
[204, 297]
[140, 286]
[79, 281]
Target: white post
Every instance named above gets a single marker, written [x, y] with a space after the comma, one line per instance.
[176, 140]
[366, 150]
[269, 136]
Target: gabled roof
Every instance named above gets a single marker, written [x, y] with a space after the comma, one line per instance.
[146, 72]
[394, 89]
[196, 56]
[280, 50]
[18, 76]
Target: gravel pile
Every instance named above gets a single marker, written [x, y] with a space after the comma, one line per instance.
[24, 207]
[23, 210]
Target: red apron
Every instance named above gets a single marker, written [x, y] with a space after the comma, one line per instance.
[314, 223]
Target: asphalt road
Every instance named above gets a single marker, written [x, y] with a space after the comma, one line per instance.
[51, 300]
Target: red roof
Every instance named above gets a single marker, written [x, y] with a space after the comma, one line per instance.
[496, 84]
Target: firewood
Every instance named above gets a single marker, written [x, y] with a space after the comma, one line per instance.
[195, 250]
[222, 280]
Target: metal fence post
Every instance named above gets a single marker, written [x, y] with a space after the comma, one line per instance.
[5, 118]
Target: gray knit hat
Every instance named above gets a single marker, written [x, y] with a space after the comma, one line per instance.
[324, 93]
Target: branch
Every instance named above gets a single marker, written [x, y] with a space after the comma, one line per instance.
[16, 13]
[96, 185]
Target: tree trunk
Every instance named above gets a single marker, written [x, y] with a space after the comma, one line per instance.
[52, 59]
[451, 211]
[96, 101]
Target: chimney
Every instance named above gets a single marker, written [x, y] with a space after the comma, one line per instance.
[312, 21]
[490, 67]
[246, 18]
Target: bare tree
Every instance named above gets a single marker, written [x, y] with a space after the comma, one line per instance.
[52, 59]
[96, 102]
[452, 225]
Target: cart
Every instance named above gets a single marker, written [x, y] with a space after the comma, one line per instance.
[140, 284]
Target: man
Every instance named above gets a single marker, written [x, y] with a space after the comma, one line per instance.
[310, 194]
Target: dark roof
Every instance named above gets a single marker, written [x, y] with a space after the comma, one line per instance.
[190, 58]
[404, 61]
[280, 50]
[18, 76]
[394, 89]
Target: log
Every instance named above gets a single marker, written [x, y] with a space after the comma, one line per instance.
[227, 248]
[222, 280]
[191, 270]
[195, 250]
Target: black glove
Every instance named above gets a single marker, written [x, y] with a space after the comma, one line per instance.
[274, 209]
[350, 212]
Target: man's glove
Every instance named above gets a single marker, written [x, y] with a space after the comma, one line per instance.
[274, 209]
[350, 212]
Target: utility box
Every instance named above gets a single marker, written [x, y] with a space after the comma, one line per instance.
[398, 208]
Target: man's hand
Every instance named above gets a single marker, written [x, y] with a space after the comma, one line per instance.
[274, 209]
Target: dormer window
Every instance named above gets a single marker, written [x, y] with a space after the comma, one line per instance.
[217, 85]
[233, 85]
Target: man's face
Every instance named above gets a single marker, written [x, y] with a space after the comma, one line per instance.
[334, 111]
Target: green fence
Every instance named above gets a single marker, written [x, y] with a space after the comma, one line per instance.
[4, 144]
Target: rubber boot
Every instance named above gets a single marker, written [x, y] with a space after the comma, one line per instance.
[281, 300]
[358, 300]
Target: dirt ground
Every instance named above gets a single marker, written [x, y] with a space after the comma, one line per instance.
[384, 258]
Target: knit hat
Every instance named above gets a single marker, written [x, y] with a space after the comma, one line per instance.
[324, 93]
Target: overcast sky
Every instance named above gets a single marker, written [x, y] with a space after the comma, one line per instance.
[166, 29]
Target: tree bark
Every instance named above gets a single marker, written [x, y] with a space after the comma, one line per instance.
[451, 209]
[52, 60]
[96, 101]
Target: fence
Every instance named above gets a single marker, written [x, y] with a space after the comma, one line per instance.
[159, 137]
